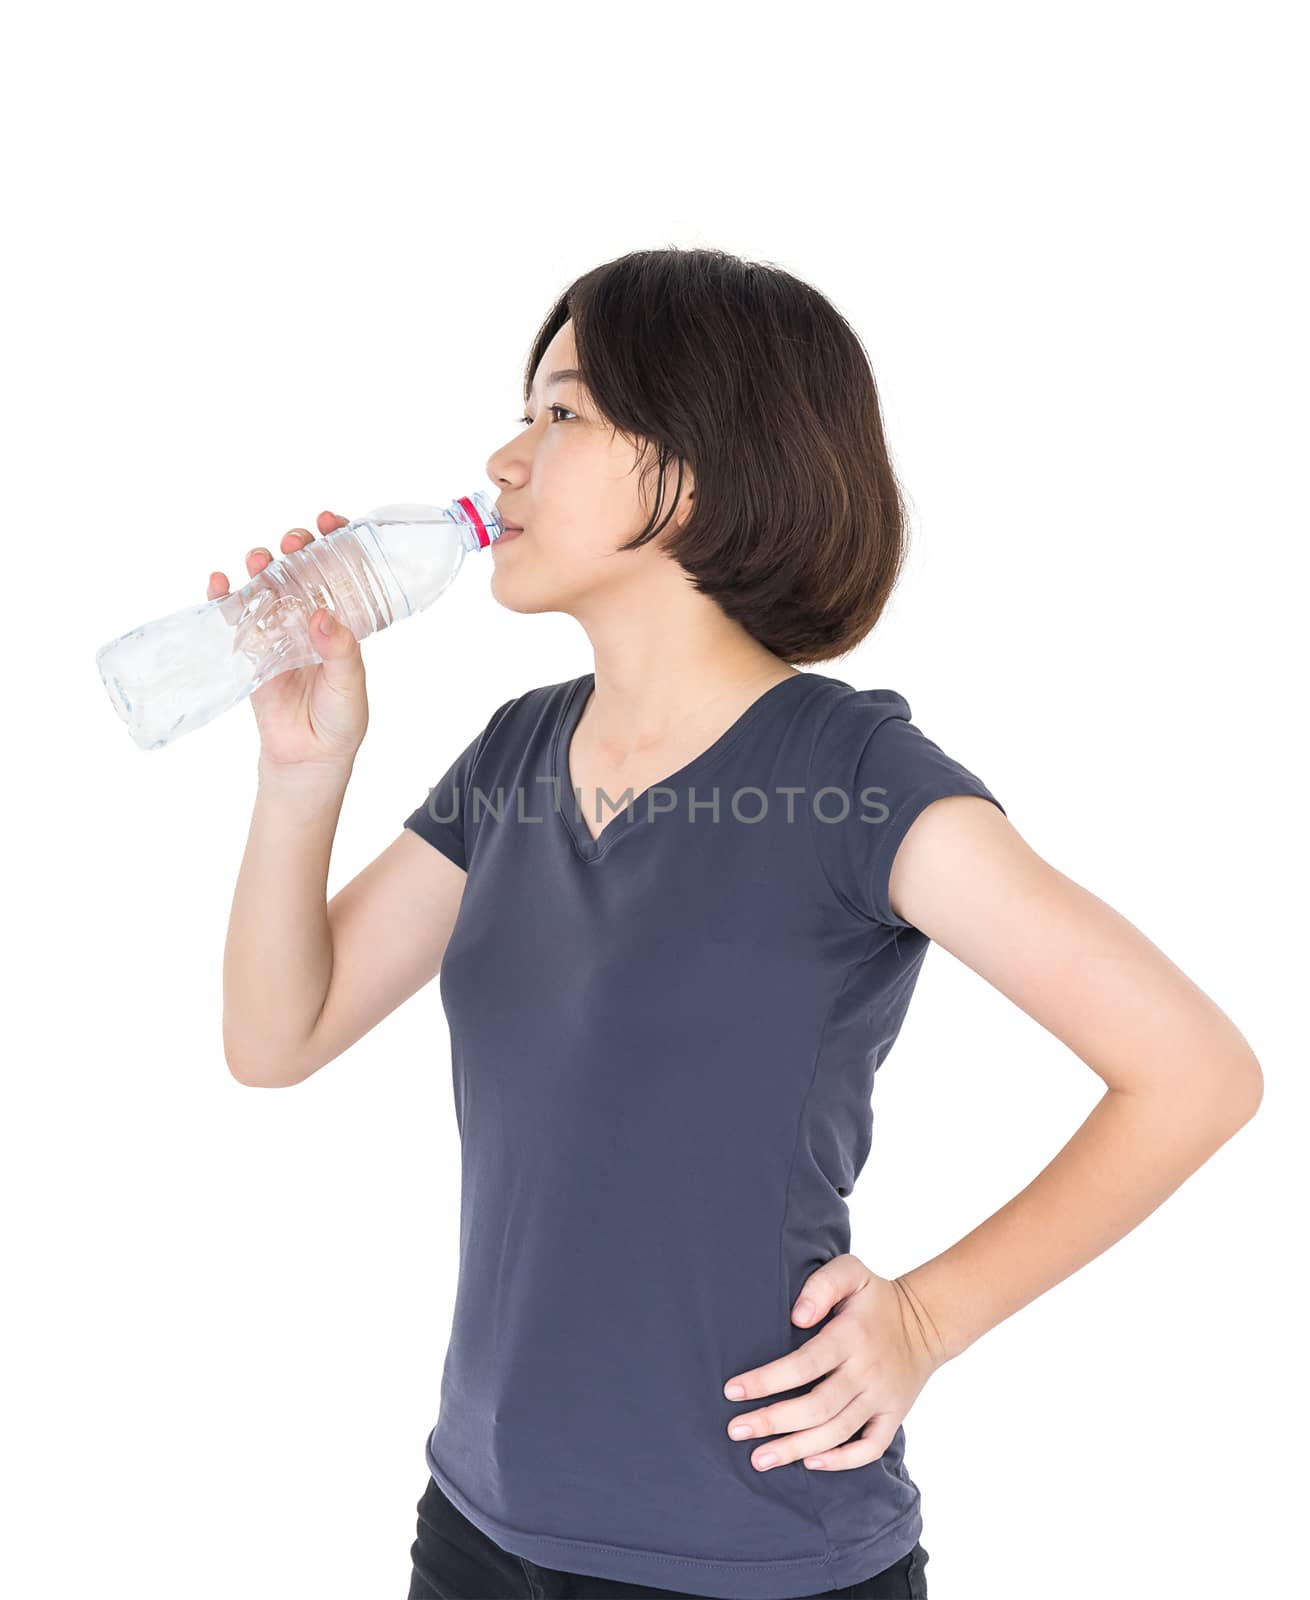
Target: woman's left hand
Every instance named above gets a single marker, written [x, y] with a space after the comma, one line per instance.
[874, 1356]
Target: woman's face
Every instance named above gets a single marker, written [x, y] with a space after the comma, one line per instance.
[571, 481]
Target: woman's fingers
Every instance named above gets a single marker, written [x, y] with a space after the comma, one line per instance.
[258, 558]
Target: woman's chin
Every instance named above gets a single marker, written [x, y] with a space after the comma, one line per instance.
[517, 596]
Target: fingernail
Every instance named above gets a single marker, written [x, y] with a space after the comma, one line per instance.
[734, 1391]
[805, 1310]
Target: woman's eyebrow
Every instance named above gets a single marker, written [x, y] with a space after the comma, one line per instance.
[561, 376]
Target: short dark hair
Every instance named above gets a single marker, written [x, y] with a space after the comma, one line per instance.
[757, 382]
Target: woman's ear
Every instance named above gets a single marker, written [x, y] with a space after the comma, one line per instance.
[688, 495]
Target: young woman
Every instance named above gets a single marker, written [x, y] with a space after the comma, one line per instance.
[678, 905]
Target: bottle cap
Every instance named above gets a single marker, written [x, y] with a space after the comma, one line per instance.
[481, 516]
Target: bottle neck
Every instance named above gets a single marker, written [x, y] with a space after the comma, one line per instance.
[476, 522]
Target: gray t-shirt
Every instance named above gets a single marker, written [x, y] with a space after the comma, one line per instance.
[663, 1046]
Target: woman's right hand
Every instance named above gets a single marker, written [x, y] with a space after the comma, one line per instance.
[309, 717]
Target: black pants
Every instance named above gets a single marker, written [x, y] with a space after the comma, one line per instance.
[453, 1560]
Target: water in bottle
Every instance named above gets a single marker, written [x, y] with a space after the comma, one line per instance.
[179, 672]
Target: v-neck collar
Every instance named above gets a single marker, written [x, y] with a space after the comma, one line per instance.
[636, 811]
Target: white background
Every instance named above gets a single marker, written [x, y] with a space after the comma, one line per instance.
[269, 260]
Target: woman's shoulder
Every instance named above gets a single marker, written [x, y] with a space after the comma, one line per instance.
[870, 737]
[844, 718]
[540, 700]
[512, 724]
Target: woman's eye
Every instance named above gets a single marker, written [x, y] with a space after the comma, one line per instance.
[527, 421]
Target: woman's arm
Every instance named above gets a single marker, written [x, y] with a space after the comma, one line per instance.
[304, 978]
[1180, 1077]
[277, 960]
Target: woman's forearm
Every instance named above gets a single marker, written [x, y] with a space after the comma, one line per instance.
[1130, 1154]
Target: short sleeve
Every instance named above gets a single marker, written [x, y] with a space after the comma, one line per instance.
[440, 819]
[445, 818]
[891, 772]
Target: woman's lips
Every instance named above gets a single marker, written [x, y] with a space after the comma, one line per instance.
[509, 533]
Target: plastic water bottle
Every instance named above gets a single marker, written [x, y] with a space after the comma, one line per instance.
[181, 671]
